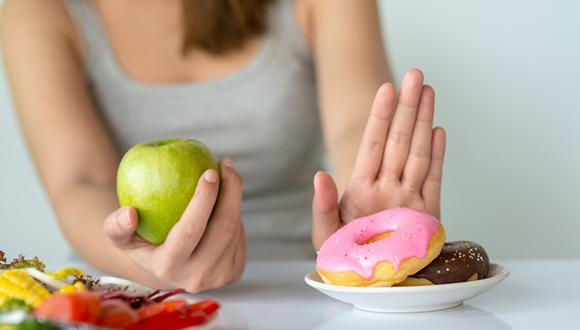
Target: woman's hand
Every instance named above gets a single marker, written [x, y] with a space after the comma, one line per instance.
[203, 250]
[399, 163]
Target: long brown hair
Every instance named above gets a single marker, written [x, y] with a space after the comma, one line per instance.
[220, 26]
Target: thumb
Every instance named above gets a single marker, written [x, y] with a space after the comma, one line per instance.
[325, 214]
[120, 226]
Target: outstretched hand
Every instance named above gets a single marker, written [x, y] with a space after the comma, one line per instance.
[399, 163]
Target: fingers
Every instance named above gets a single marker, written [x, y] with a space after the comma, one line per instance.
[225, 221]
[228, 267]
[401, 130]
[432, 187]
[120, 226]
[419, 157]
[240, 256]
[370, 154]
[325, 212]
[187, 232]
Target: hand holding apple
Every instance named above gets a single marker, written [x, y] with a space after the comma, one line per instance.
[158, 179]
[204, 249]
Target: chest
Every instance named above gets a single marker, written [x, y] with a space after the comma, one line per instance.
[264, 116]
[146, 41]
[261, 112]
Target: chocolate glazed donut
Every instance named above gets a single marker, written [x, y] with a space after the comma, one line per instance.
[458, 261]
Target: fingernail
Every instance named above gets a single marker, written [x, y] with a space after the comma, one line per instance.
[383, 88]
[228, 162]
[316, 176]
[210, 176]
[124, 218]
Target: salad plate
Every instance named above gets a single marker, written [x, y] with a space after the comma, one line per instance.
[31, 297]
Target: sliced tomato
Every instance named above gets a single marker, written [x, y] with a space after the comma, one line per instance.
[81, 306]
[166, 306]
[117, 314]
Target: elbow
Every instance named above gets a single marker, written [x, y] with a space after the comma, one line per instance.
[61, 190]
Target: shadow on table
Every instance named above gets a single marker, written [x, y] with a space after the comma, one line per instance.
[460, 318]
[336, 315]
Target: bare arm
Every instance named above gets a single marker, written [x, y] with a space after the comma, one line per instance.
[399, 161]
[350, 66]
[69, 145]
[77, 163]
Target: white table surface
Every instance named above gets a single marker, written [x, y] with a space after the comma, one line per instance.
[272, 295]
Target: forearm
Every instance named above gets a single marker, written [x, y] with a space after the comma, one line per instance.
[344, 137]
[342, 150]
[81, 211]
[350, 66]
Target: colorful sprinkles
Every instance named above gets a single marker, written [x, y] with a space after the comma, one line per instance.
[457, 262]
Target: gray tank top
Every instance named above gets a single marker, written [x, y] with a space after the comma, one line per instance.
[264, 116]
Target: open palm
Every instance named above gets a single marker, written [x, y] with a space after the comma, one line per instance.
[399, 163]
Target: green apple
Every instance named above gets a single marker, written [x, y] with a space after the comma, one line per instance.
[158, 179]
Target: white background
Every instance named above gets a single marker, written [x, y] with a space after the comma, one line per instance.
[506, 76]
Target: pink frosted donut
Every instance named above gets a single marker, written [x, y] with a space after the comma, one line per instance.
[381, 249]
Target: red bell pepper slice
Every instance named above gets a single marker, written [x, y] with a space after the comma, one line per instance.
[166, 306]
[207, 306]
[174, 314]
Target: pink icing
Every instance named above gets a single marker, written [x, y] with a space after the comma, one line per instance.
[346, 250]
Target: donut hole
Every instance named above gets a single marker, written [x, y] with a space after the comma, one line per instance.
[379, 237]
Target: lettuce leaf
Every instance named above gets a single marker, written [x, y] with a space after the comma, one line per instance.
[21, 262]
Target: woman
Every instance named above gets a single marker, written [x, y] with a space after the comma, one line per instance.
[263, 83]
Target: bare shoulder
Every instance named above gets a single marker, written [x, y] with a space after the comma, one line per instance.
[337, 10]
[33, 14]
[31, 21]
[303, 14]
[315, 14]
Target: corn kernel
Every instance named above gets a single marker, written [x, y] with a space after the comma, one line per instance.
[16, 283]
[77, 286]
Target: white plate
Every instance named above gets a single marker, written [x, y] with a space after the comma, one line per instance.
[410, 298]
[133, 287]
